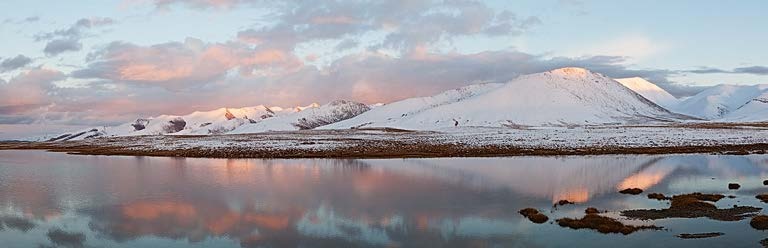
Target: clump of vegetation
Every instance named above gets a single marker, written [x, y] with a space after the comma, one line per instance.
[694, 205]
[658, 196]
[591, 211]
[602, 224]
[701, 197]
[734, 186]
[534, 215]
[759, 222]
[632, 191]
[563, 202]
[699, 235]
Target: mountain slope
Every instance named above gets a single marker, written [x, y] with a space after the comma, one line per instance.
[308, 118]
[754, 110]
[200, 122]
[719, 101]
[650, 91]
[413, 106]
[562, 97]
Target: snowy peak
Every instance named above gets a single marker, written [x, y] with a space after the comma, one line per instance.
[302, 108]
[562, 97]
[571, 72]
[650, 91]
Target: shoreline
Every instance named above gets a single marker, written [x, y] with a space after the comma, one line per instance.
[423, 152]
[395, 143]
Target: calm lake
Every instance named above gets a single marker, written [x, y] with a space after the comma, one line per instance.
[54, 199]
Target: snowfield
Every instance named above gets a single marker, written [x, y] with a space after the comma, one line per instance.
[465, 141]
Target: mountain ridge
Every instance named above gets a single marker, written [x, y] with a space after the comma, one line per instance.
[561, 97]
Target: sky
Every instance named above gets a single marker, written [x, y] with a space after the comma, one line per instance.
[99, 62]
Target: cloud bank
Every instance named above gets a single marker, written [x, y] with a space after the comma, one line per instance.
[380, 51]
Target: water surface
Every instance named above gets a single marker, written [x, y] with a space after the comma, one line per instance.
[49, 199]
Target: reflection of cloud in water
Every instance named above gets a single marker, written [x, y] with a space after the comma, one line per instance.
[32, 199]
[328, 203]
[324, 222]
[65, 238]
[17, 223]
[186, 220]
[646, 179]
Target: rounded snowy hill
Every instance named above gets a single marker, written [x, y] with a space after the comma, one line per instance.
[562, 97]
[650, 91]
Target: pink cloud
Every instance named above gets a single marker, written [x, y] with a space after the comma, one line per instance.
[179, 65]
[28, 90]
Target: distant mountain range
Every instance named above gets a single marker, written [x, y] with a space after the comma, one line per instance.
[564, 97]
[726, 103]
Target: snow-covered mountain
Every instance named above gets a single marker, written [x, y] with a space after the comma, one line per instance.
[732, 103]
[753, 111]
[225, 120]
[200, 122]
[562, 97]
[722, 102]
[308, 118]
[650, 91]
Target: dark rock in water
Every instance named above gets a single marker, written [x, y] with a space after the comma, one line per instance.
[764, 242]
[759, 222]
[632, 191]
[591, 211]
[602, 224]
[564, 202]
[534, 215]
[658, 196]
[699, 235]
[734, 186]
[765, 182]
[694, 205]
[762, 197]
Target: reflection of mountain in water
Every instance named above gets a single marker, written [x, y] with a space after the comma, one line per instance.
[321, 203]
[557, 178]
[575, 178]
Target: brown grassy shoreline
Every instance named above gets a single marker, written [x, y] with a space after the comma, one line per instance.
[356, 148]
